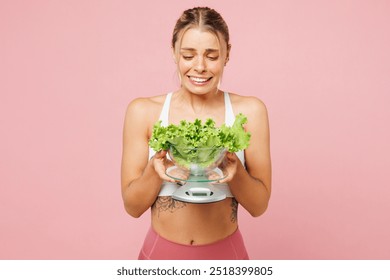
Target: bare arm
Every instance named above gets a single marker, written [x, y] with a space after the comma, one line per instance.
[139, 180]
[252, 186]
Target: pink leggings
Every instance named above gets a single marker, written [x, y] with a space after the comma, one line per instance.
[156, 247]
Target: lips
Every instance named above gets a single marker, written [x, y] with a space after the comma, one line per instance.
[199, 80]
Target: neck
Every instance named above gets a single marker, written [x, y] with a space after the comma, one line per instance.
[199, 103]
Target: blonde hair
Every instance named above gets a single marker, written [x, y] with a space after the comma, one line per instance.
[204, 18]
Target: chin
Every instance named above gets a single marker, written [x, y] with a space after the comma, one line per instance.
[200, 90]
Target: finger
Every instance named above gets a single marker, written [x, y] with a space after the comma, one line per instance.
[228, 178]
[165, 177]
[161, 173]
[168, 179]
[231, 156]
[169, 163]
[160, 154]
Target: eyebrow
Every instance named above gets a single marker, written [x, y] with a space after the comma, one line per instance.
[194, 50]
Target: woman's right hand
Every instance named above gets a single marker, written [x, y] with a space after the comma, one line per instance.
[161, 163]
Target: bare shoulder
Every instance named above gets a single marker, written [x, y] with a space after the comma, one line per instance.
[250, 106]
[145, 105]
[145, 108]
[143, 112]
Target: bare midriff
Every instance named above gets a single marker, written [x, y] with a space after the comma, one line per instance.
[194, 224]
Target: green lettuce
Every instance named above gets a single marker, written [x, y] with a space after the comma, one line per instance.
[199, 142]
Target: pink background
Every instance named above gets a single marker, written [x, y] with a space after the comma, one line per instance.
[69, 68]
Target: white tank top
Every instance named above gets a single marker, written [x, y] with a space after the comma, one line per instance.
[167, 188]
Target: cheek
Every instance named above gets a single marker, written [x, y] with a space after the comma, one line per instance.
[184, 66]
[216, 67]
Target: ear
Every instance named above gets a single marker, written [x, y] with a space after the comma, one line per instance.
[228, 53]
[174, 55]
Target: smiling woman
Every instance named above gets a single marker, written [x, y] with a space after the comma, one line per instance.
[200, 60]
[182, 230]
[200, 42]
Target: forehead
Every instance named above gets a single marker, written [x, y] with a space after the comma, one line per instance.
[196, 38]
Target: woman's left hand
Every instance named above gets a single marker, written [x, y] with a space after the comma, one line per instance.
[229, 165]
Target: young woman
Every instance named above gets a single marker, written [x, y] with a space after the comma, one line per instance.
[181, 230]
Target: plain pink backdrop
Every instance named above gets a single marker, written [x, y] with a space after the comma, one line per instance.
[68, 69]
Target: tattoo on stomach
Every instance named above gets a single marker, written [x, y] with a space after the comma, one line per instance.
[167, 203]
[234, 205]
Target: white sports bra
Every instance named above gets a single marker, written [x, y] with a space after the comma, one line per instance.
[168, 188]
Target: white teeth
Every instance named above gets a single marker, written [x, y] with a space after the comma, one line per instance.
[198, 80]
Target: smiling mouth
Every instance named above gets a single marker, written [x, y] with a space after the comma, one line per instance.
[199, 81]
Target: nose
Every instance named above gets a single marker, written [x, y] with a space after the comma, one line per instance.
[200, 65]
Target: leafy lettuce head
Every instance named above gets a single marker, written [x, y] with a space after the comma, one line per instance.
[189, 135]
